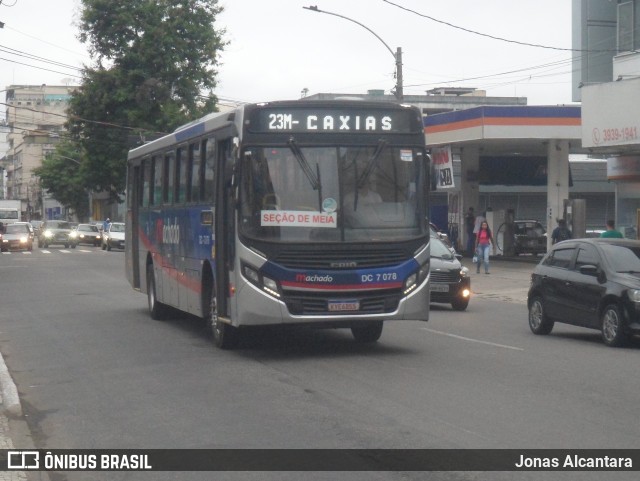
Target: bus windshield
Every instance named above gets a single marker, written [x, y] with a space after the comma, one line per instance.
[342, 194]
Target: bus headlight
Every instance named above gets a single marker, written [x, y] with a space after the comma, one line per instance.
[415, 279]
[270, 286]
[267, 284]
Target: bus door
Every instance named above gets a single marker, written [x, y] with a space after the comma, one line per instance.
[132, 224]
[224, 228]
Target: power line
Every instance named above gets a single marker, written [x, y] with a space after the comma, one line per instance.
[493, 36]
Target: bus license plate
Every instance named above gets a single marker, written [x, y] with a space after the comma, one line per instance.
[344, 305]
[439, 287]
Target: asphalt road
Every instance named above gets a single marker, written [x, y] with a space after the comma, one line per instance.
[94, 371]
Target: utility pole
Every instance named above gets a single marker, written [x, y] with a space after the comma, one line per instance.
[397, 55]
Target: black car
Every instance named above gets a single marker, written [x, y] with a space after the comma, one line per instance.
[593, 283]
[449, 280]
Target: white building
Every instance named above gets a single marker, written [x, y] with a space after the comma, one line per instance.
[35, 117]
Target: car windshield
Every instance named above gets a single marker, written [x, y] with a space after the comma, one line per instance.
[116, 228]
[622, 258]
[16, 229]
[87, 228]
[438, 249]
[59, 225]
[294, 193]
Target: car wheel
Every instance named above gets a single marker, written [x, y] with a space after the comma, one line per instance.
[370, 332]
[538, 320]
[73, 246]
[157, 309]
[460, 304]
[103, 246]
[45, 245]
[613, 333]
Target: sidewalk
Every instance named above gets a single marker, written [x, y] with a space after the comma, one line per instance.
[508, 280]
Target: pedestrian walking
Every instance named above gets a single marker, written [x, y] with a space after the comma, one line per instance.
[484, 240]
[611, 231]
[561, 232]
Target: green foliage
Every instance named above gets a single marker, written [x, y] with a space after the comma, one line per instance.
[155, 68]
[61, 174]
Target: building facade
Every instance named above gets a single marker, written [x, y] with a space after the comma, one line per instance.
[35, 117]
[611, 98]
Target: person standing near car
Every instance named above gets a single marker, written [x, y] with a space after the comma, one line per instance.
[484, 240]
[611, 231]
[561, 232]
[105, 224]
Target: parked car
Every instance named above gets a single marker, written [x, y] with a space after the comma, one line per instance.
[529, 237]
[55, 232]
[86, 234]
[449, 279]
[17, 236]
[113, 236]
[593, 283]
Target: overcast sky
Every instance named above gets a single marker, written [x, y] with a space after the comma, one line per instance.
[277, 49]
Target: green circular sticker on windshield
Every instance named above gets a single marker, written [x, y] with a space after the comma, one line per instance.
[329, 205]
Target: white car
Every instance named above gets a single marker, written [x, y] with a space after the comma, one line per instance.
[113, 236]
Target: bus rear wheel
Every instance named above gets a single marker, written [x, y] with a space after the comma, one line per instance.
[157, 309]
[369, 332]
[225, 336]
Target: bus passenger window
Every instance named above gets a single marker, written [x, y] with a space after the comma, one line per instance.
[209, 170]
[196, 169]
[181, 176]
[156, 195]
[169, 183]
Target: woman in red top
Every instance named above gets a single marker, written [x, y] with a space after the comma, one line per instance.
[484, 239]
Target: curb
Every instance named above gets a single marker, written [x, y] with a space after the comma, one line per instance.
[9, 391]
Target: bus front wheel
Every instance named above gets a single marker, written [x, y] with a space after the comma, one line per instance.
[369, 332]
[225, 336]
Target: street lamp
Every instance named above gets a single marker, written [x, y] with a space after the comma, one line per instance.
[397, 55]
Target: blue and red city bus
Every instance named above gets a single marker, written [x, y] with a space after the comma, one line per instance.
[282, 213]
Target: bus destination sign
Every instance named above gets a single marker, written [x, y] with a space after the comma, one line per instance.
[315, 120]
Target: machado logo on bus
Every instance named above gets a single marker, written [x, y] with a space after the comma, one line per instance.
[297, 218]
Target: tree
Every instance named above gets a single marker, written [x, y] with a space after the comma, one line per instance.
[61, 175]
[155, 69]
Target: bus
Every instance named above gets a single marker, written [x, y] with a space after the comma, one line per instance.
[283, 213]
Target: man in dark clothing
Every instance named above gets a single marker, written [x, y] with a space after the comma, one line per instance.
[469, 222]
[561, 232]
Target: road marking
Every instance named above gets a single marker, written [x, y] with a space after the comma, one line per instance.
[504, 346]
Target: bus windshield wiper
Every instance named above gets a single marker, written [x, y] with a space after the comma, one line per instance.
[304, 165]
[382, 143]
